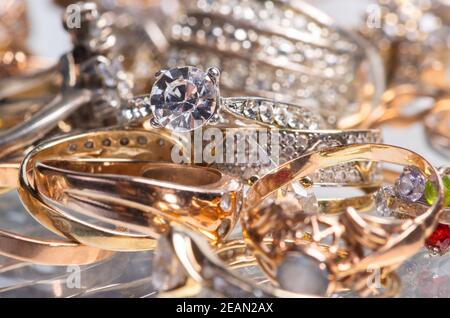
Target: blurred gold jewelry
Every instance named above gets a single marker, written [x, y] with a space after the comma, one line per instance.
[437, 126]
[413, 35]
[13, 34]
[215, 269]
[92, 88]
[389, 241]
[13, 22]
[118, 145]
[395, 107]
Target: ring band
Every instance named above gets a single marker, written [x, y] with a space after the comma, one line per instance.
[42, 251]
[201, 199]
[102, 143]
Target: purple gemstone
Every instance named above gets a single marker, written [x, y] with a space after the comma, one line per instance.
[410, 186]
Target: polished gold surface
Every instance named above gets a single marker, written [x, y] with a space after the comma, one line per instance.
[107, 144]
[146, 196]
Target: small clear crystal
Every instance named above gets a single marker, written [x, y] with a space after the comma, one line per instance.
[382, 200]
[266, 112]
[306, 199]
[251, 110]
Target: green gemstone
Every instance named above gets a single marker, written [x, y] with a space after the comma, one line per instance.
[446, 181]
[431, 192]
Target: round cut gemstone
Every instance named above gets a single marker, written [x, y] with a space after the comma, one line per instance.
[183, 98]
[410, 185]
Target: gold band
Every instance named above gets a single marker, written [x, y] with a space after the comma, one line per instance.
[148, 195]
[103, 143]
[42, 251]
[114, 151]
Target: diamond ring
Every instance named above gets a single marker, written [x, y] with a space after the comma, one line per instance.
[185, 99]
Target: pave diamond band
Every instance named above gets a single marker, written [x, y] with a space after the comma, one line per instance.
[184, 99]
[309, 62]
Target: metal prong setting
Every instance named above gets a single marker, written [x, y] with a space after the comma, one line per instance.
[154, 123]
[214, 74]
[159, 73]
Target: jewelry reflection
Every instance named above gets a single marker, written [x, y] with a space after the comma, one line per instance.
[38, 250]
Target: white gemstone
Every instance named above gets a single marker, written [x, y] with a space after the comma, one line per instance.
[251, 110]
[303, 274]
[382, 200]
[290, 139]
[280, 116]
[266, 112]
[183, 98]
[306, 199]
[302, 141]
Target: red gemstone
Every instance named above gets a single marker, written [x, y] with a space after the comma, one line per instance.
[440, 239]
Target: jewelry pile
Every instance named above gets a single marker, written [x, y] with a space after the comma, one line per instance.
[236, 144]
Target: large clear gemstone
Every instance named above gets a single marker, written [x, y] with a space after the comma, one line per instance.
[303, 274]
[410, 186]
[183, 98]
